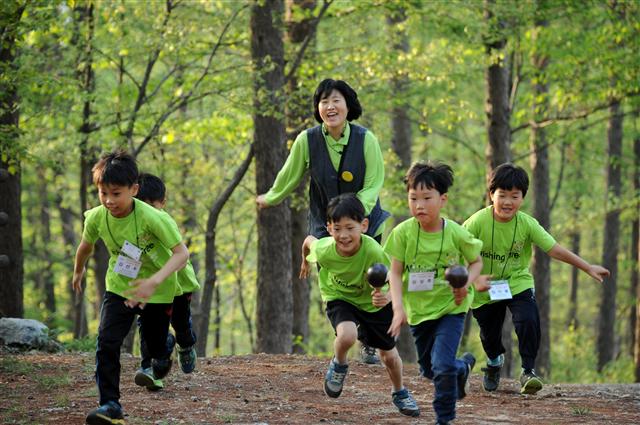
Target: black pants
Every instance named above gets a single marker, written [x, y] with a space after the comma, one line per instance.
[181, 323]
[115, 322]
[526, 321]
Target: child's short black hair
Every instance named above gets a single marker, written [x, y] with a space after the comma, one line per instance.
[324, 90]
[508, 177]
[117, 168]
[432, 174]
[151, 188]
[345, 205]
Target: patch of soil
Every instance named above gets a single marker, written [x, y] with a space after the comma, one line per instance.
[38, 388]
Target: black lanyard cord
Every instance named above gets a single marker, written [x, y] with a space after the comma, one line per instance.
[493, 226]
[135, 220]
[415, 255]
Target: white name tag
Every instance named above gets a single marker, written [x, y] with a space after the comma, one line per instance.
[500, 290]
[127, 267]
[421, 281]
[131, 250]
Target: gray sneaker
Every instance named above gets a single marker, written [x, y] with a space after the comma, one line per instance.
[405, 403]
[530, 383]
[187, 359]
[334, 379]
[369, 355]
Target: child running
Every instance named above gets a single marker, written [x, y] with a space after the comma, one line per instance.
[421, 248]
[153, 191]
[352, 307]
[145, 252]
[508, 235]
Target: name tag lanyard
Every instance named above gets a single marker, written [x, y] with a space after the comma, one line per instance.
[493, 226]
[415, 255]
[135, 220]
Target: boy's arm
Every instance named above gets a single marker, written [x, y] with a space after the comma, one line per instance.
[395, 288]
[82, 255]
[143, 289]
[563, 254]
[306, 248]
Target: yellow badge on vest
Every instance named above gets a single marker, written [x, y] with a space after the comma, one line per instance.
[347, 176]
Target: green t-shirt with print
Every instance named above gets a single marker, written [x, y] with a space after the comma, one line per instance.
[344, 278]
[148, 229]
[421, 251]
[187, 280]
[507, 249]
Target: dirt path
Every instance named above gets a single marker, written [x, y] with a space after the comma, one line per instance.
[39, 388]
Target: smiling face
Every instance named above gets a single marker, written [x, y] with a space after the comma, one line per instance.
[347, 234]
[117, 199]
[333, 110]
[506, 204]
[425, 205]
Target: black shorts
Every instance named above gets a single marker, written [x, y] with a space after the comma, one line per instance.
[372, 327]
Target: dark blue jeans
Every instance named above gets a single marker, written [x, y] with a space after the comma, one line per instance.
[181, 323]
[526, 321]
[115, 322]
[437, 343]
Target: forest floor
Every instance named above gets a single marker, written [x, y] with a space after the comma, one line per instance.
[40, 388]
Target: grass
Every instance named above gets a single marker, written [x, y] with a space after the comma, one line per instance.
[580, 411]
[17, 367]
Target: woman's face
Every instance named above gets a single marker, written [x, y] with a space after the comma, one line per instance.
[333, 110]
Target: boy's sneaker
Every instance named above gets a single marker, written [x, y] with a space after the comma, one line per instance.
[530, 383]
[463, 380]
[187, 359]
[369, 355]
[109, 413]
[334, 379]
[405, 403]
[491, 378]
[144, 378]
[162, 367]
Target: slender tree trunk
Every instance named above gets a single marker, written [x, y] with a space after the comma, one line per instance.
[296, 111]
[635, 237]
[217, 321]
[572, 313]
[498, 111]
[636, 242]
[11, 255]
[606, 325]
[541, 268]
[45, 226]
[401, 140]
[274, 312]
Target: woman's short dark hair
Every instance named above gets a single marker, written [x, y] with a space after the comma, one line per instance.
[508, 177]
[117, 168]
[345, 205]
[324, 90]
[432, 174]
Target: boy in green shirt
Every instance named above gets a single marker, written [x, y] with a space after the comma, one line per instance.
[508, 235]
[355, 311]
[152, 191]
[145, 252]
[421, 248]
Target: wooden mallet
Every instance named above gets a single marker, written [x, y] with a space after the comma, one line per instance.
[377, 275]
[457, 276]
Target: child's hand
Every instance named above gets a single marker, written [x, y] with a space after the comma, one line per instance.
[261, 201]
[459, 294]
[304, 268]
[399, 319]
[134, 304]
[76, 283]
[379, 299]
[142, 289]
[597, 272]
[482, 283]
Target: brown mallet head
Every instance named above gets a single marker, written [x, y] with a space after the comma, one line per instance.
[457, 276]
[377, 275]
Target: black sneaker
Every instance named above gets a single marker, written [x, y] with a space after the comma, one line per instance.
[144, 378]
[463, 380]
[369, 354]
[405, 403]
[491, 378]
[162, 367]
[109, 413]
[187, 359]
[530, 383]
[334, 379]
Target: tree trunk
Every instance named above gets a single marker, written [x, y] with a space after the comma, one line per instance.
[11, 255]
[296, 111]
[498, 111]
[572, 314]
[274, 312]
[46, 274]
[635, 237]
[539, 160]
[606, 329]
[634, 280]
[401, 141]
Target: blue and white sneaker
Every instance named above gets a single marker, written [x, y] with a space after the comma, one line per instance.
[109, 413]
[405, 403]
[463, 380]
[334, 379]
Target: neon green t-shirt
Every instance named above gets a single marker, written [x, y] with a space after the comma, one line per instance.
[421, 251]
[148, 229]
[507, 249]
[344, 278]
[187, 280]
